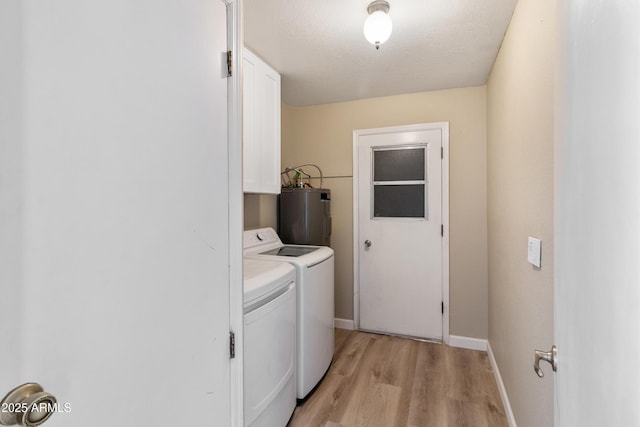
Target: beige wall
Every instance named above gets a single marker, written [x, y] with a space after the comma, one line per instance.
[520, 111]
[260, 211]
[323, 135]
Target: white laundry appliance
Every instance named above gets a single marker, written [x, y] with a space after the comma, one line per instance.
[314, 267]
[269, 343]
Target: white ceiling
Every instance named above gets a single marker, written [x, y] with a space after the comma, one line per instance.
[319, 48]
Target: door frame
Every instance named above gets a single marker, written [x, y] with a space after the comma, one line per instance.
[444, 128]
[236, 210]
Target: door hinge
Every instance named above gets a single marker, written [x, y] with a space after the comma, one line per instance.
[229, 63]
[442, 230]
[232, 345]
[442, 307]
[442, 152]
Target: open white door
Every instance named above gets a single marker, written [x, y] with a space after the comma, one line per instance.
[114, 200]
[597, 200]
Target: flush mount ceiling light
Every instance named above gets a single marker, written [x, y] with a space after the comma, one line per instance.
[377, 27]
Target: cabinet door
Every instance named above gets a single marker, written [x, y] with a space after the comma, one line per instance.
[270, 131]
[250, 114]
[261, 126]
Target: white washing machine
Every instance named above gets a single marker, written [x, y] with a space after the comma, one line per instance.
[314, 267]
[269, 343]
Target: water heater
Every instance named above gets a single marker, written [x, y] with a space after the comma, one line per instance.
[304, 216]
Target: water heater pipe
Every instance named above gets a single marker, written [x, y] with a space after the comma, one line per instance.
[294, 169]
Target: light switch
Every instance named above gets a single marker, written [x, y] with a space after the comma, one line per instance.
[535, 251]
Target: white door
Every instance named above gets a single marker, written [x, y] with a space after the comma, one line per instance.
[114, 244]
[398, 243]
[597, 289]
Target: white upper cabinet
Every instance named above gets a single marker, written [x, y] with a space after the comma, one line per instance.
[261, 125]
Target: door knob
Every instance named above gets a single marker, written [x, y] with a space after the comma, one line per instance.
[27, 405]
[367, 243]
[548, 356]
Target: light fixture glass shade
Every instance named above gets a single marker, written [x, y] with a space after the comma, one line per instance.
[377, 27]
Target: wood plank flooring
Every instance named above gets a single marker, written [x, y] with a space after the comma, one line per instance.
[382, 381]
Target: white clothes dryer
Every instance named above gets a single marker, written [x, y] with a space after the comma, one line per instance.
[314, 267]
[269, 343]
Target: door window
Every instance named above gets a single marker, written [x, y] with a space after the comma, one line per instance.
[399, 184]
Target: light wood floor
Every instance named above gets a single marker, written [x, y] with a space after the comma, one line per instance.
[377, 380]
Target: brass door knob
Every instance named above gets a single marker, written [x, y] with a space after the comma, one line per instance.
[27, 405]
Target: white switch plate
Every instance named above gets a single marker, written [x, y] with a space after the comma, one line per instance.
[535, 251]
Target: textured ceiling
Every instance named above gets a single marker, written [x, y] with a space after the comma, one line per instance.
[319, 49]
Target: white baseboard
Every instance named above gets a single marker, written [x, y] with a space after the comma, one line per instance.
[343, 323]
[468, 343]
[503, 391]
